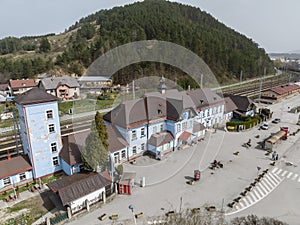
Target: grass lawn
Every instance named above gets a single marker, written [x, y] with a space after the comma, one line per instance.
[27, 211]
[84, 105]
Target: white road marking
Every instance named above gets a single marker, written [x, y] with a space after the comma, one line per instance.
[268, 185]
[277, 177]
[246, 201]
[242, 205]
[271, 180]
[263, 189]
[284, 173]
[249, 199]
[295, 176]
[289, 175]
[279, 171]
[256, 194]
[275, 169]
[260, 191]
[254, 198]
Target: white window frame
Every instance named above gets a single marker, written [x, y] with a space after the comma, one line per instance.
[5, 183]
[123, 154]
[49, 112]
[55, 158]
[133, 135]
[143, 134]
[22, 175]
[134, 150]
[52, 145]
[143, 147]
[50, 128]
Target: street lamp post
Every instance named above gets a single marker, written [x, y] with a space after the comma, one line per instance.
[131, 208]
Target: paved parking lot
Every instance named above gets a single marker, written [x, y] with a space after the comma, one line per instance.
[166, 188]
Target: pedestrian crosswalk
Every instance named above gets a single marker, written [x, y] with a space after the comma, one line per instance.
[257, 192]
[287, 174]
[261, 188]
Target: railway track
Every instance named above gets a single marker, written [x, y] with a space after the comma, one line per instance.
[8, 143]
[252, 90]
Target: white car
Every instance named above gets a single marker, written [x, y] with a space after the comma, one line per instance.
[265, 126]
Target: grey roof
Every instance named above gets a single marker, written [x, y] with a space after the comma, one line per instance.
[204, 97]
[160, 139]
[115, 139]
[78, 185]
[128, 113]
[33, 96]
[229, 105]
[198, 127]
[156, 106]
[71, 151]
[51, 83]
[243, 103]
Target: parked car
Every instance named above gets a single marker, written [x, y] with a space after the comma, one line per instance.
[276, 120]
[265, 126]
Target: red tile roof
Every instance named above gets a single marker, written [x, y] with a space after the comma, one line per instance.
[16, 84]
[280, 90]
[15, 165]
[185, 136]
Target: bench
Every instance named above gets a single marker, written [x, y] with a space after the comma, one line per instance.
[211, 209]
[103, 217]
[114, 216]
[244, 193]
[195, 210]
[238, 199]
[138, 215]
[232, 204]
[191, 182]
[170, 213]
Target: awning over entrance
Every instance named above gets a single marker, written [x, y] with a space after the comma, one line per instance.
[185, 136]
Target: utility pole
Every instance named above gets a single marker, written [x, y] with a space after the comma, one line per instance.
[241, 76]
[201, 81]
[260, 88]
[133, 90]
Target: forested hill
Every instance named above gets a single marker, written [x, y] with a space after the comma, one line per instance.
[224, 50]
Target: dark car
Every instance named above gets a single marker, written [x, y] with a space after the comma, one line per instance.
[276, 120]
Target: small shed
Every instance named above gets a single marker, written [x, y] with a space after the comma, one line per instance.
[126, 183]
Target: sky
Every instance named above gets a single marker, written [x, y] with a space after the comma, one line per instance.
[273, 24]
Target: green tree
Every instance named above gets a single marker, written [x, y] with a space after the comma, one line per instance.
[45, 45]
[95, 152]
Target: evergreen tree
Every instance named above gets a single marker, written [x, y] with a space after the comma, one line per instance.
[95, 152]
[45, 45]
